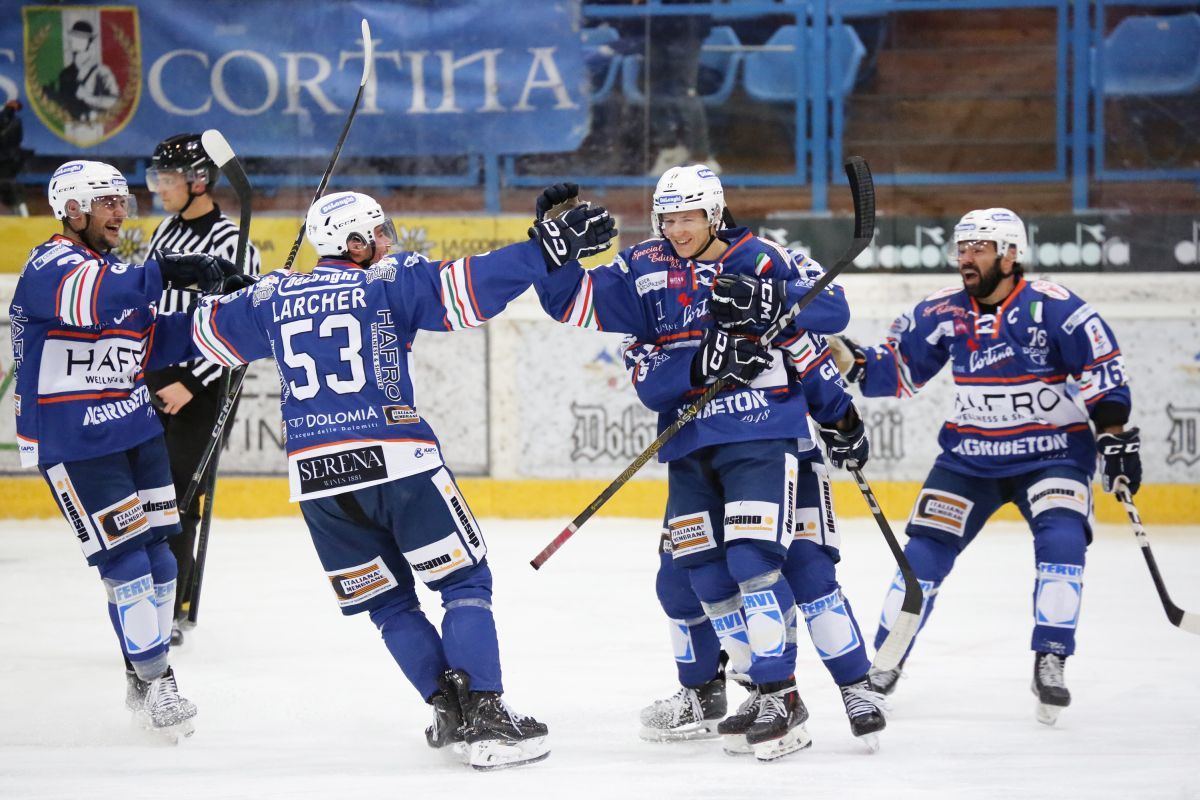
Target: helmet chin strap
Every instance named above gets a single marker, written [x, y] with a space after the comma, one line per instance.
[188, 204]
[82, 233]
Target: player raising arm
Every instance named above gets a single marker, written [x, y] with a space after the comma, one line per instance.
[84, 330]
[733, 471]
[1036, 369]
[365, 466]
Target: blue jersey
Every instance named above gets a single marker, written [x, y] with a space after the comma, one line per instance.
[808, 359]
[662, 301]
[341, 339]
[84, 330]
[1025, 376]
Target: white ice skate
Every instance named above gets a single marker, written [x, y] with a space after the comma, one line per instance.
[687, 715]
[163, 712]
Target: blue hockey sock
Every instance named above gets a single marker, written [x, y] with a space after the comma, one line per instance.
[694, 642]
[134, 615]
[165, 571]
[770, 609]
[469, 630]
[811, 572]
[413, 642]
[1060, 545]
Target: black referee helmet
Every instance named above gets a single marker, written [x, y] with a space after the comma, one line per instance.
[184, 152]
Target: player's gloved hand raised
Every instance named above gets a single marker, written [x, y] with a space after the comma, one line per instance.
[745, 302]
[851, 360]
[1121, 453]
[728, 356]
[237, 281]
[846, 441]
[208, 272]
[577, 233]
[560, 194]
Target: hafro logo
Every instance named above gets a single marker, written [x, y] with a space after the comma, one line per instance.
[83, 69]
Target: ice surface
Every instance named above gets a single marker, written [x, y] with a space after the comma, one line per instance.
[297, 702]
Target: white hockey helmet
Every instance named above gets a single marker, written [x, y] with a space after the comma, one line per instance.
[334, 218]
[997, 225]
[687, 188]
[85, 181]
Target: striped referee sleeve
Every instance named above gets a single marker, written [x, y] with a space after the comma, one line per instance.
[175, 235]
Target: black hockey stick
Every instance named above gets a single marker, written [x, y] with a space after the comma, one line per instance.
[1178, 617]
[235, 387]
[908, 620]
[223, 156]
[863, 190]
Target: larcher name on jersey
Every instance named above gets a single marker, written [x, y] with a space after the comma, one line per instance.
[308, 305]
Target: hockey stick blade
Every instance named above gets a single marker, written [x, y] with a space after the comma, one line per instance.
[221, 153]
[904, 628]
[862, 188]
[368, 63]
[1178, 617]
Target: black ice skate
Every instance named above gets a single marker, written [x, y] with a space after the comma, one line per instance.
[1050, 687]
[496, 736]
[733, 729]
[164, 712]
[884, 680]
[687, 714]
[865, 708]
[447, 727]
[779, 728]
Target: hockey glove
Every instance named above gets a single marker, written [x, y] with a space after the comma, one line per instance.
[560, 194]
[180, 270]
[1122, 460]
[580, 232]
[728, 356]
[741, 302]
[237, 281]
[850, 359]
[846, 441]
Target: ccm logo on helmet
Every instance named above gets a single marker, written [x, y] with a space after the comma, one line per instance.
[341, 202]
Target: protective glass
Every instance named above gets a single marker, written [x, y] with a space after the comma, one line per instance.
[956, 250]
[386, 238]
[160, 178]
[113, 202]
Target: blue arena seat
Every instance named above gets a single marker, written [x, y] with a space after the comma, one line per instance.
[1152, 55]
[719, 60]
[602, 63]
[770, 75]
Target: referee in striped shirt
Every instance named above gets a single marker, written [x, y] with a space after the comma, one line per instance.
[187, 396]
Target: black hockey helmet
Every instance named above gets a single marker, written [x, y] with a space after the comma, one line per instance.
[183, 153]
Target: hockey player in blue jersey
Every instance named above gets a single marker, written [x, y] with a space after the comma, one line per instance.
[1036, 369]
[732, 471]
[695, 710]
[365, 466]
[84, 330]
[700, 704]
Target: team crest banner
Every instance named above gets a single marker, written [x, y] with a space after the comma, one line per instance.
[83, 69]
[453, 77]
